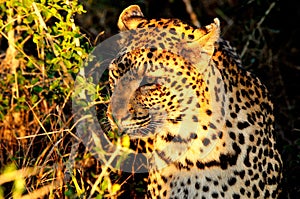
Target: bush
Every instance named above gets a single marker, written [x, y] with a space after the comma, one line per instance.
[41, 51]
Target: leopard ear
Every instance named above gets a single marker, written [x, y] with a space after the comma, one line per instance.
[207, 41]
[130, 18]
[200, 50]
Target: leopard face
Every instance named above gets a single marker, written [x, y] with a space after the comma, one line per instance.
[207, 122]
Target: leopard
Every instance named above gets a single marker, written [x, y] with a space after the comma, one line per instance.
[206, 123]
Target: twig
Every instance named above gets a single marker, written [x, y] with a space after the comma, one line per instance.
[192, 14]
[257, 27]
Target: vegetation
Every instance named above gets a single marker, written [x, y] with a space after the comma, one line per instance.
[43, 44]
[42, 50]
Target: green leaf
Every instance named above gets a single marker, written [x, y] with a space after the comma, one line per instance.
[37, 89]
[99, 196]
[104, 185]
[8, 27]
[22, 99]
[36, 38]
[29, 19]
[34, 80]
[34, 98]
[57, 47]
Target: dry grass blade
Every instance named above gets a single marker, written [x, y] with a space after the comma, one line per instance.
[13, 175]
[39, 193]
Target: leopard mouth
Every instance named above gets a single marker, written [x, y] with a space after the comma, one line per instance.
[135, 127]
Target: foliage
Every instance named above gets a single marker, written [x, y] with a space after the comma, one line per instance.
[44, 51]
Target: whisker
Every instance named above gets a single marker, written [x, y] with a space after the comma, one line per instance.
[144, 131]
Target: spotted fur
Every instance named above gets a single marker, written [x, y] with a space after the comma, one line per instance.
[207, 123]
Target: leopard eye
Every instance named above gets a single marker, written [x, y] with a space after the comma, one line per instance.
[148, 80]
